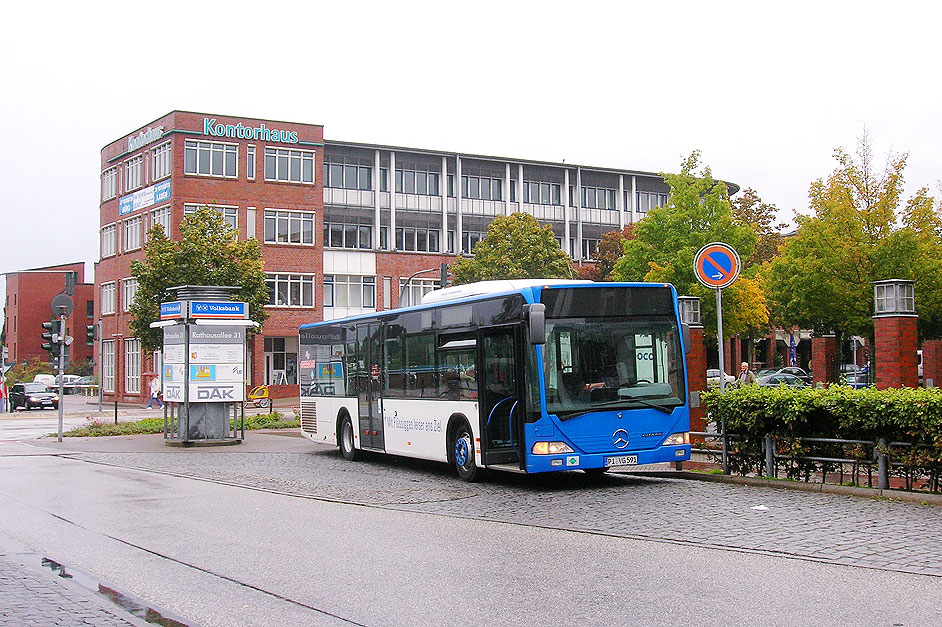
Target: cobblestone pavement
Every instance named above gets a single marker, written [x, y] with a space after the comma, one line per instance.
[29, 598]
[839, 529]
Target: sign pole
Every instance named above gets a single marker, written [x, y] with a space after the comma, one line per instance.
[719, 341]
[61, 368]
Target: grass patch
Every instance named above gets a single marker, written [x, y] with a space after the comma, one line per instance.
[97, 428]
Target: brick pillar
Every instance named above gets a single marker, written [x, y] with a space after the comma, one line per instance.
[932, 362]
[824, 359]
[771, 346]
[696, 376]
[895, 346]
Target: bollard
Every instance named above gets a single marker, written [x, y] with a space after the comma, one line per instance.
[769, 457]
[725, 439]
[116, 412]
[883, 466]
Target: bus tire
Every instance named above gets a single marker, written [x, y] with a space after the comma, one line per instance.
[595, 472]
[462, 453]
[345, 439]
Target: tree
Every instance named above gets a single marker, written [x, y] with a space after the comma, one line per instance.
[514, 247]
[668, 238]
[858, 234]
[611, 249]
[208, 253]
[750, 210]
[25, 372]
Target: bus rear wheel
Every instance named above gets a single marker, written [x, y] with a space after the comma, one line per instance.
[347, 448]
[462, 448]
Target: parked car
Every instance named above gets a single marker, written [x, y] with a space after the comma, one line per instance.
[86, 381]
[713, 378]
[29, 395]
[765, 371]
[795, 371]
[781, 378]
[857, 380]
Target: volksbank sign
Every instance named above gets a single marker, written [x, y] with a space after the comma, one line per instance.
[261, 132]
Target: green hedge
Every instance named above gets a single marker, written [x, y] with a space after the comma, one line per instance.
[788, 415]
[96, 428]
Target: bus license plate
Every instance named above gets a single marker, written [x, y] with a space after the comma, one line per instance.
[624, 460]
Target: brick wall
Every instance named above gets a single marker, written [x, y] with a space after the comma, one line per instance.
[932, 362]
[895, 346]
[696, 376]
[824, 359]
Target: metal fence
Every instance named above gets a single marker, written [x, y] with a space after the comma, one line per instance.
[805, 459]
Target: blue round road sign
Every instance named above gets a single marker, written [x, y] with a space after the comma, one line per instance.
[717, 265]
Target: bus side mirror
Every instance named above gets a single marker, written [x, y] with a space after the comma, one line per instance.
[537, 323]
[685, 328]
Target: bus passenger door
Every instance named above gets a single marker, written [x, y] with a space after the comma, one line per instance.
[368, 392]
[500, 376]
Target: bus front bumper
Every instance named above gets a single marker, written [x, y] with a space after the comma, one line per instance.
[613, 460]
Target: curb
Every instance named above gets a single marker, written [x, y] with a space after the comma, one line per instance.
[921, 498]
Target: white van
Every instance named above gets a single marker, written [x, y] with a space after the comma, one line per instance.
[46, 379]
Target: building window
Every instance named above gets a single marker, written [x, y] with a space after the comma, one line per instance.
[108, 240]
[132, 171]
[650, 200]
[89, 309]
[229, 214]
[250, 162]
[132, 366]
[343, 290]
[107, 365]
[107, 298]
[469, 240]
[210, 159]
[417, 181]
[348, 173]
[290, 290]
[293, 166]
[481, 187]
[289, 227]
[281, 359]
[340, 235]
[541, 193]
[418, 288]
[109, 183]
[130, 290]
[598, 198]
[162, 161]
[132, 233]
[161, 217]
[418, 239]
[589, 248]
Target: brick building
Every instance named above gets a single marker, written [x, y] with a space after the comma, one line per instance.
[336, 240]
[28, 305]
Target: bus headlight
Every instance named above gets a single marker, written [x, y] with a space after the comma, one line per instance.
[551, 448]
[677, 439]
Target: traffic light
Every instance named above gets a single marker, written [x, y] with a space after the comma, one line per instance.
[443, 279]
[51, 337]
[91, 334]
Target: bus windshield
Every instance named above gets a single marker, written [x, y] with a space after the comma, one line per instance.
[603, 364]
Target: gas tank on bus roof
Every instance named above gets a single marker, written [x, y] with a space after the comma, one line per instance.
[492, 287]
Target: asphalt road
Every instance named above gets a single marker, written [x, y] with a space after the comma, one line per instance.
[282, 531]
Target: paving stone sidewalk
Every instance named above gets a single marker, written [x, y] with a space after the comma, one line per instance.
[29, 598]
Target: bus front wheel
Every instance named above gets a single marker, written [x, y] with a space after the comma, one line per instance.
[462, 448]
[347, 449]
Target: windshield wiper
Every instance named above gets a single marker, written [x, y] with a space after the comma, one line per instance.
[619, 404]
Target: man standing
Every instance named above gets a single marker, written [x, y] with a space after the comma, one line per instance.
[746, 376]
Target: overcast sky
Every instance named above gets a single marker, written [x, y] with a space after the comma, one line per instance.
[765, 90]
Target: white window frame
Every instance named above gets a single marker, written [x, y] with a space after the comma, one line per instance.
[107, 365]
[132, 366]
[250, 162]
[109, 183]
[282, 159]
[163, 161]
[108, 298]
[282, 218]
[284, 283]
[199, 147]
[108, 243]
[132, 233]
[128, 291]
[134, 172]
[161, 216]
[339, 290]
[229, 213]
[418, 288]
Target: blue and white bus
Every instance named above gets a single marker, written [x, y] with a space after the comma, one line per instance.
[524, 376]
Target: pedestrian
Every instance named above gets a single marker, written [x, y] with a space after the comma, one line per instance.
[3, 396]
[746, 376]
[154, 394]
